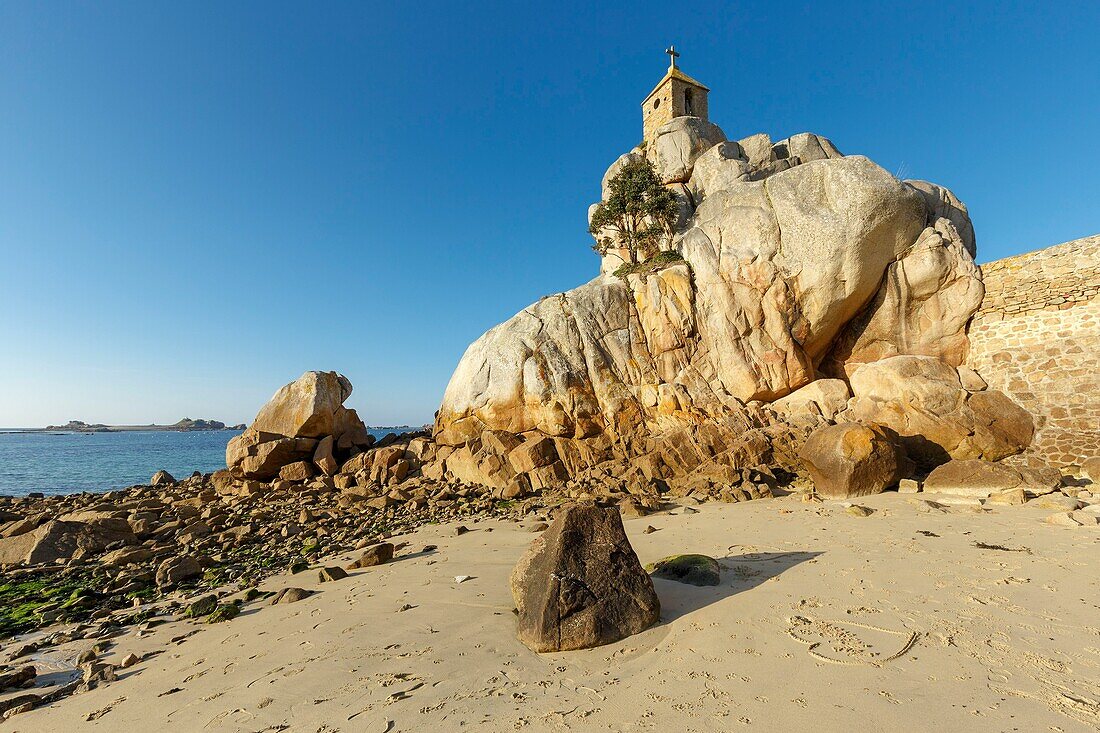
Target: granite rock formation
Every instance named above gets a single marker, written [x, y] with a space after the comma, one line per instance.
[923, 401]
[791, 263]
[305, 421]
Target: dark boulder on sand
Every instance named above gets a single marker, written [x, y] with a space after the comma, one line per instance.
[580, 584]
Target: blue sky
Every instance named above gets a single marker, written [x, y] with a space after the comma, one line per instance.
[200, 201]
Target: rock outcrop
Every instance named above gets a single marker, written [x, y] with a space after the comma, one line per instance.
[580, 585]
[791, 262]
[310, 407]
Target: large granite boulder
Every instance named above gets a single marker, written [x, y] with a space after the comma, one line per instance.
[922, 400]
[722, 166]
[294, 423]
[773, 270]
[305, 408]
[976, 478]
[849, 460]
[678, 144]
[580, 584]
[62, 540]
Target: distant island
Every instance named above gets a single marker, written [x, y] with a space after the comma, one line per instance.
[186, 425]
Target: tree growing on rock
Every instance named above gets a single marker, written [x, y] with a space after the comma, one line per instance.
[638, 215]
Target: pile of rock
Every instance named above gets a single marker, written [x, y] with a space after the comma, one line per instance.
[145, 541]
[304, 429]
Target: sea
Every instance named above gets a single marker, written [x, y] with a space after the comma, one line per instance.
[68, 463]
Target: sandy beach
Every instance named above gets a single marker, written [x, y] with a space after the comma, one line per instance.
[907, 619]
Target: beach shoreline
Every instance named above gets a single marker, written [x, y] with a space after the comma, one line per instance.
[987, 613]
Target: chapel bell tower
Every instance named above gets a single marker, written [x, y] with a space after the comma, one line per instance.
[676, 95]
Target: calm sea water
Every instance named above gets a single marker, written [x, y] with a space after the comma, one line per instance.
[73, 462]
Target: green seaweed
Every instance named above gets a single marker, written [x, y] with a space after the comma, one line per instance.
[21, 600]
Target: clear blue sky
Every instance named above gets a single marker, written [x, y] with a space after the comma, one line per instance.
[200, 201]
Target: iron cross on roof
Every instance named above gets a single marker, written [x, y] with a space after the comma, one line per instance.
[673, 54]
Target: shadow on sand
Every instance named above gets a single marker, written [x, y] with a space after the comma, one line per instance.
[739, 573]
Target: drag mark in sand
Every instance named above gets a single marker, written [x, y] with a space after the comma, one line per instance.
[848, 642]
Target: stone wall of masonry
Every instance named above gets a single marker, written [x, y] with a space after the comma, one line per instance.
[1037, 338]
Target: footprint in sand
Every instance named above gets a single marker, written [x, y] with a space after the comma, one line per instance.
[850, 643]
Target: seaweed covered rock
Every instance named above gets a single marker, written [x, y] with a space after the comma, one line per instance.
[690, 569]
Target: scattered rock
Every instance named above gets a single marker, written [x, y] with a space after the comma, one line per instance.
[18, 677]
[1056, 501]
[291, 595]
[297, 471]
[224, 612]
[96, 674]
[632, 509]
[18, 704]
[859, 511]
[980, 479]
[331, 573]
[1086, 519]
[175, 570]
[63, 540]
[908, 486]
[202, 607]
[1062, 519]
[161, 478]
[1008, 497]
[325, 458]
